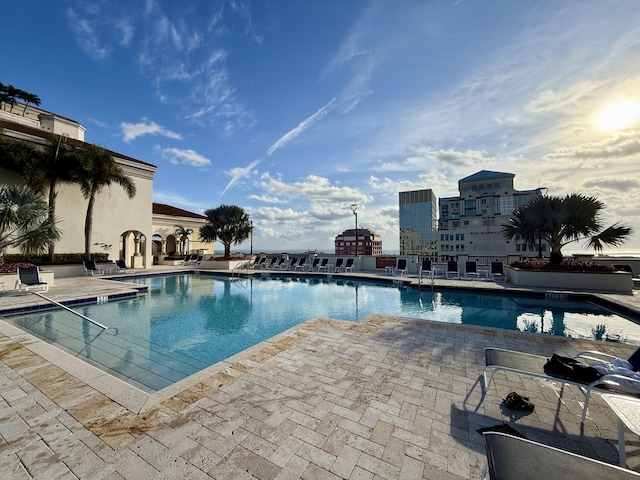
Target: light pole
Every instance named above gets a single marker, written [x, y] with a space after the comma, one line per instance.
[354, 208]
[251, 237]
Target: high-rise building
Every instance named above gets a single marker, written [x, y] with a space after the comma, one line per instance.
[368, 242]
[471, 223]
[418, 223]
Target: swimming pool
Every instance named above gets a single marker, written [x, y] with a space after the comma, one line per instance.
[188, 322]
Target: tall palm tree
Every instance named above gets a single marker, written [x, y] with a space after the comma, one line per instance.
[24, 223]
[563, 220]
[43, 168]
[227, 224]
[98, 170]
[29, 98]
[183, 234]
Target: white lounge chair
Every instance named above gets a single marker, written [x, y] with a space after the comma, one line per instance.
[90, 268]
[29, 277]
[401, 267]
[499, 359]
[471, 270]
[497, 272]
[510, 457]
[348, 267]
[452, 270]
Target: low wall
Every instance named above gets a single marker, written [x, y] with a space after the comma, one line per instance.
[9, 279]
[619, 282]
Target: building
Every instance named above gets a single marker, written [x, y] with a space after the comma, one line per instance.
[124, 228]
[418, 223]
[470, 224]
[368, 242]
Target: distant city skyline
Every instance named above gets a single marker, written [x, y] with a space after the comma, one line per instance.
[296, 110]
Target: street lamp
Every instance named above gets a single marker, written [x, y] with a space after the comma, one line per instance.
[354, 207]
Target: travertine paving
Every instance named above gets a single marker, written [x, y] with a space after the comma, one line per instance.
[387, 398]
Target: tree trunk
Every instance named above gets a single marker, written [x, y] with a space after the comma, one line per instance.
[88, 225]
[227, 250]
[52, 215]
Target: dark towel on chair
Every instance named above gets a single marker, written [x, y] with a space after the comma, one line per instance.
[570, 369]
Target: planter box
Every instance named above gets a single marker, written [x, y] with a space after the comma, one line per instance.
[10, 279]
[619, 282]
[221, 264]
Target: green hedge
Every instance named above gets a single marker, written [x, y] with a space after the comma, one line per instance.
[58, 258]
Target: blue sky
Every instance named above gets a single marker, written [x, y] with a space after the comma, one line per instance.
[294, 110]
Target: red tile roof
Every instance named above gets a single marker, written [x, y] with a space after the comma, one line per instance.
[163, 209]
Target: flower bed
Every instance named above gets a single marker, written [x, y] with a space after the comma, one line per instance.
[596, 280]
[563, 267]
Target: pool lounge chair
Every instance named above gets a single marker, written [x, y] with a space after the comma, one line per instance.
[311, 266]
[401, 267]
[269, 265]
[258, 263]
[471, 270]
[511, 457]
[121, 267]
[497, 272]
[348, 267]
[300, 264]
[452, 269]
[29, 277]
[186, 260]
[288, 266]
[338, 265]
[324, 265]
[499, 359]
[90, 268]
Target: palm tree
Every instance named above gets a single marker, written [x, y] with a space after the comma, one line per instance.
[227, 224]
[183, 234]
[28, 98]
[43, 168]
[563, 220]
[24, 223]
[98, 170]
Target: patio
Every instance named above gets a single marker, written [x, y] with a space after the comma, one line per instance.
[385, 398]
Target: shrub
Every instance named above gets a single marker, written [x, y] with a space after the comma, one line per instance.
[563, 267]
[13, 267]
[58, 258]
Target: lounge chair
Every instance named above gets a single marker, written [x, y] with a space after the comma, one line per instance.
[121, 267]
[186, 260]
[258, 263]
[452, 269]
[269, 265]
[510, 457]
[300, 264]
[338, 265]
[323, 265]
[278, 264]
[497, 359]
[90, 268]
[348, 267]
[425, 268]
[29, 277]
[471, 270]
[497, 272]
[197, 260]
[401, 267]
[311, 266]
[288, 266]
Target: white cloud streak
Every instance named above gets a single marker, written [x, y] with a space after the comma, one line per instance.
[183, 156]
[131, 131]
[238, 174]
[302, 126]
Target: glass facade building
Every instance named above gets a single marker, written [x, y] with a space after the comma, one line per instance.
[418, 223]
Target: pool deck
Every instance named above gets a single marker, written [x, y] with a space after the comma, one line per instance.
[383, 398]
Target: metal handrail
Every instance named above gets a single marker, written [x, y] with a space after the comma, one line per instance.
[72, 311]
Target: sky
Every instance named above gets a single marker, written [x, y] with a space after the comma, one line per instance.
[294, 110]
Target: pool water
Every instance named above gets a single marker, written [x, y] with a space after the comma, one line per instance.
[189, 322]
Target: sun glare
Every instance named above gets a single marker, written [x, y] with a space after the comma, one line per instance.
[619, 115]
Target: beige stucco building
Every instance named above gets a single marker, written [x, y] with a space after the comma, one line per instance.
[129, 229]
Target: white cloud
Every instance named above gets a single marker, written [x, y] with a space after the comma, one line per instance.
[239, 173]
[302, 126]
[131, 131]
[183, 156]
[314, 188]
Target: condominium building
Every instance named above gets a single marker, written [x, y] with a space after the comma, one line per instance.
[358, 242]
[418, 223]
[470, 224]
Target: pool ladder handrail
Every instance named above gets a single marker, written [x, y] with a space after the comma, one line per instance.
[70, 310]
[431, 274]
[239, 267]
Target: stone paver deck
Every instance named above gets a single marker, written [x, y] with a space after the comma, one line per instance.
[385, 398]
